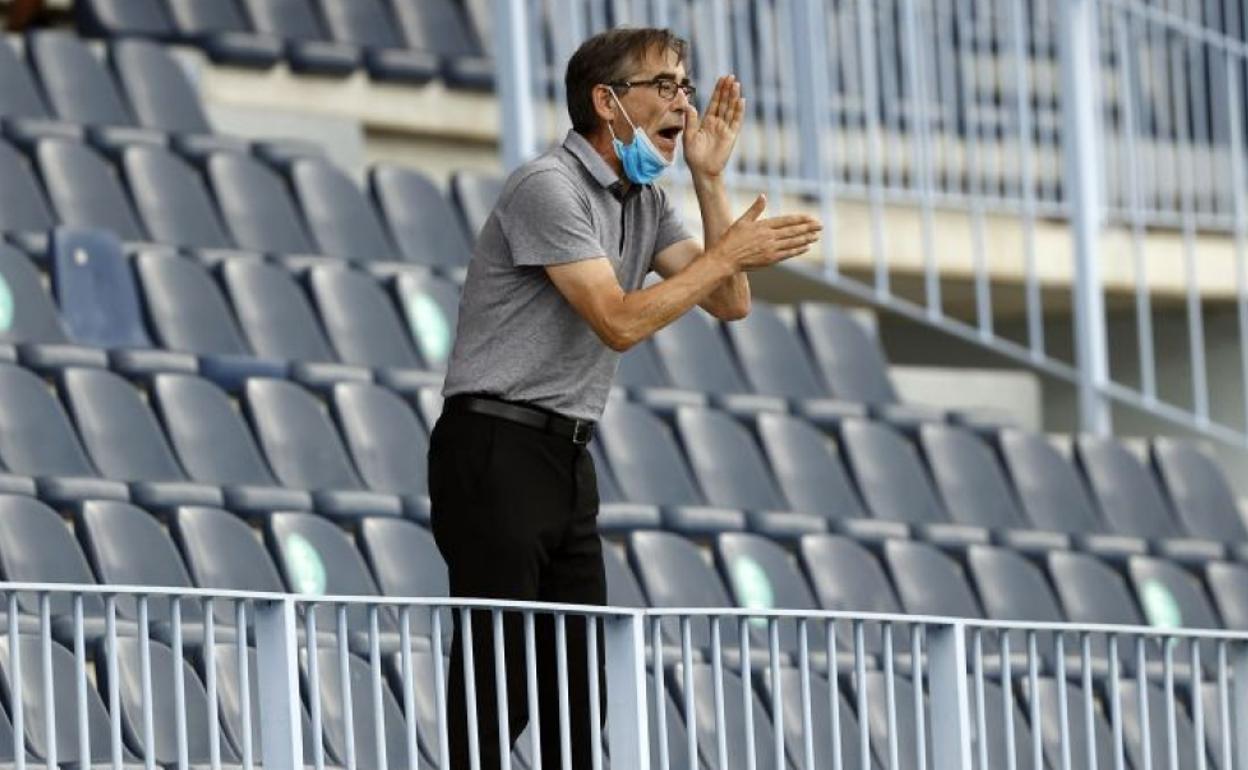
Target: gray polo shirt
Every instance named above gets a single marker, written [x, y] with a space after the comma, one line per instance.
[518, 338]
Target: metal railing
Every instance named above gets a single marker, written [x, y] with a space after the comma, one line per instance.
[971, 157]
[101, 677]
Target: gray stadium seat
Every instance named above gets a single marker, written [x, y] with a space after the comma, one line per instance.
[1157, 744]
[62, 708]
[361, 320]
[440, 26]
[146, 18]
[369, 24]
[1091, 591]
[697, 357]
[431, 307]
[821, 720]
[339, 216]
[1132, 502]
[215, 446]
[219, 27]
[1050, 727]
[846, 577]
[1172, 597]
[125, 440]
[650, 469]
[387, 441]
[31, 318]
[734, 718]
[1056, 499]
[1199, 491]
[164, 705]
[84, 189]
[406, 562]
[75, 81]
[37, 440]
[907, 733]
[1228, 584]
[186, 308]
[896, 487]
[475, 195]
[257, 205]
[930, 582]
[19, 94]
[623, 589]
[173, 200]
[732, 473]
[308, 48]
[425, 227]
[775, 364]
[274, 312]
[23, 206]
[305, 451]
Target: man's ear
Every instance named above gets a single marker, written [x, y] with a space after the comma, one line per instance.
[604, 105]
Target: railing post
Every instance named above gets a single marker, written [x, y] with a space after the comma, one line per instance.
[517, 130]
[628, 728]
[1080, 102]
[950, 710]
[810, 74]
[277, 676]
[1239, 701]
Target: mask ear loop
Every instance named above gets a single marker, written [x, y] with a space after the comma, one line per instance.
[623, 112]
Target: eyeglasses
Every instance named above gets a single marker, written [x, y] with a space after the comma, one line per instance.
[666, 87]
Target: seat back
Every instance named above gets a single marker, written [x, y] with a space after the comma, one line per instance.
[224, 553]
[696, 356]
[930, 582]
[425, 226]
[436, 25]
[26, 310]
[852, 363]
[193, 17]
[274, 312]
[431, 307]
[157, 87]
[969, 477]
[76, 83]
[289, 19]
[1198, 491]
[19, 95]
[298, 437]
[341, 220]
[1051, 492]
[84, 189]
[365, 23]
[406, 562]
[96, 289]
[364, 718]
[186, 308]
[674, 574]
[729, 466]
[735, 731]
[772, 356]
[36, 546]
[1091, 591]
[36, 437]
[640, 367]
[1076, 739]
[360, 319]
[172, 199]
[475, 195]
[1228, 583]
[385, 437]
[123, 17]
[1127, 493]
[894, 484]
[23, 205]
[645, 458]
[808, 466]
[257, 206]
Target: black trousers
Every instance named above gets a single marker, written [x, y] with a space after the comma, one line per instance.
[515, 516]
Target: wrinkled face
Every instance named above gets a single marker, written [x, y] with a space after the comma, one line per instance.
[662, 119]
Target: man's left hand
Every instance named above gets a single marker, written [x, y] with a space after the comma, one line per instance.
[708, 141]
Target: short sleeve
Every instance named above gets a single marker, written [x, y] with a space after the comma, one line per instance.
[672, 228]
[547, 222]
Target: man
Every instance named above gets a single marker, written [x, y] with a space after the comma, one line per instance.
[553, 295]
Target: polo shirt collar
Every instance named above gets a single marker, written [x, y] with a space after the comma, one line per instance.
[602, 173]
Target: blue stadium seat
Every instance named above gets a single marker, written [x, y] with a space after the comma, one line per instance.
[257, 205]
[732, 474]
[406, 562]
[425, 227]
[173, 200]
[220, 28]
[85, 191]
[305, 451]
[1199, 492]
[369, 24]
[440, 26]
[431, 307]
[339, 216]
[387, 441]
[650, 469]
[1132, 503]
[38, 441]
[215, 446]
[125, 440]
[308, 48]
[116, 18]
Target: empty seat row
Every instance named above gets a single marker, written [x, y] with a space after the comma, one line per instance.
[409, 41]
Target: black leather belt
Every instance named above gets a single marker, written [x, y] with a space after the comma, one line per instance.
[577, 431]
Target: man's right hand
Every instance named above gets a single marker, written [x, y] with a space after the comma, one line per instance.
[751, 243]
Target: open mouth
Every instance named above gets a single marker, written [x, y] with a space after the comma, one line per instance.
[666, 137]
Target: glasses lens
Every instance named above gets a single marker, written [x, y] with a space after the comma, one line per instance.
[666, 88]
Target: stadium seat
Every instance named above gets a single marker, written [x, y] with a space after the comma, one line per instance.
[387, 441]
[475, 195]
[220, 28]
[215, 446]
[896, 487]
[364, 326]
[157, 88]
[906, 738]
[674, 574]
[37, 547]
[125, 441]
[696, 357]
[1228, 584]
[732, 473]
[115, 18]
[1056, 499]
[1199, 492]
[820, 719]
[19, 94]
[24, 207]
[1076, 737]
[85, 191]
[846, 577]
[673, 725]
[650, 469]
[1172, 597]
[431, 307]
[975, 490]
[623, 590]
[369, 24]
[1156, 743]
[343, 223]
[31, 317]
[1091, 591]
[440, 26]
[305, 451]
[641, 374]
[1132, 502]
[421, 219]
[735, 733]
[223, 553]
[308, 48]
[38, 441]
[775, 364]
[406, 562]
[172, 199]
[60, 706]
[257, 206]
[163, 705]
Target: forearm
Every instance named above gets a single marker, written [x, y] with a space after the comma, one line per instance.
[731, 298]
[636, 315]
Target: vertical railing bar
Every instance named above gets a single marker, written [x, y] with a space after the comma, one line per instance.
[686, 665]
[891, 97]
[344, 687]
[860, 673]
[825, 128]
[80, 683]
[1063, 707]
[983, 288]
[179, 683]
[114, 684]
[411, 728]
[717, 672]
[1089, 713]
[45, 662]
[803, 667]
[660, 691]
[1007, 703]
[531, 685]
[17, 709]
[834, 694]
[890, 698]
[1224, 709]
[375, 686]
[470, 689]
[1172, 736]
[314, 685]
[777, 690]
[916, 679]
[747, 685]
[1037, 713]
[561, 668]
[981, 717]
[244, 680]
[145, 670]
[770, 95]
[866, 51]
[595, 709]
[1241, 223]
[922, 151]
[210, 684]
[1115, 703]
[439, 689]
[1027, 148]
[1141, 674]
[500, 689]
[1198, 710]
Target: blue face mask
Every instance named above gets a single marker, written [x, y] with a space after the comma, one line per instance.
[643, 163]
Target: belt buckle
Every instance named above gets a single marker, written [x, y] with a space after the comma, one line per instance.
[582, 432]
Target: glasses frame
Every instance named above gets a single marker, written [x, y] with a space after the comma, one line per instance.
[661, 85]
